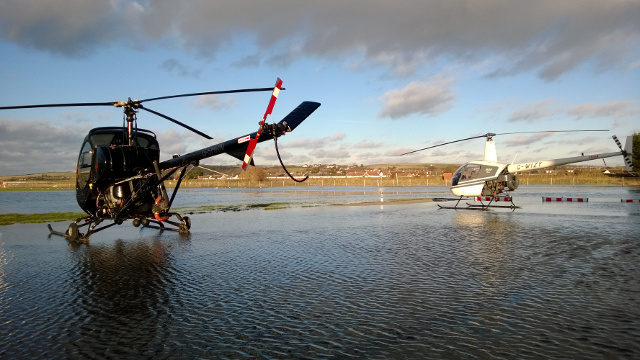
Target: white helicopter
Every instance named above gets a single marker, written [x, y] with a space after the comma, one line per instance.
[489, 178]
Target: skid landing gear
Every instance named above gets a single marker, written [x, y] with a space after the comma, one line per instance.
[182, 227]
[73, 233]
[481, 206]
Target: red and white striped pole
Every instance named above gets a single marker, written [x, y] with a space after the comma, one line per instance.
[497, 198]
[561, 199]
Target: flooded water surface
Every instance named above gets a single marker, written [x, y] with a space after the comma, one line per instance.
[548, 280]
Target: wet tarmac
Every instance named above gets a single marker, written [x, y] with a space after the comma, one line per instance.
[549, 280]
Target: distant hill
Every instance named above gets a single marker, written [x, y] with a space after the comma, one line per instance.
[53, 176]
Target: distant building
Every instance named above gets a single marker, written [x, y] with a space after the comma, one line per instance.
[365, 174]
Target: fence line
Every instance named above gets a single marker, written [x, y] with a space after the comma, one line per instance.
[341, 181]
[399, 182]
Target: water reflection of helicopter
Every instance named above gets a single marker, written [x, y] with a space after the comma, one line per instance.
[489, 178]
[119, 175]
[124, 289]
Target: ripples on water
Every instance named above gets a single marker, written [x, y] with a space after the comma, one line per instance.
[380, 281]
[65, 200]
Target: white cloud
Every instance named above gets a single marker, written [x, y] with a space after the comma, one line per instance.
[522, 140]
[430, 98]
[316, 143]
[368, 144]
[37, 146]
[215, 102]
[533, 112]
[549, 36]
[177, 67]
[329, 154]
[610, 109]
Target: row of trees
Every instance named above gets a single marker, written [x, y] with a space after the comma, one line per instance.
[636, 152]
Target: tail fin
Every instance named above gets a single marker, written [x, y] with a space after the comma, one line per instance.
[240, 153]
[300, 113]
[626, 152]
[295, 118]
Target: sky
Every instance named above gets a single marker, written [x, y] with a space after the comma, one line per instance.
[392, 76]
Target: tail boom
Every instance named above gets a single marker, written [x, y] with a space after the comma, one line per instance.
[237, 147]
[535, 165]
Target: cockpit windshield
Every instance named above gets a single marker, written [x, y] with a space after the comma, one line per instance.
[470, 171]
[118, 138]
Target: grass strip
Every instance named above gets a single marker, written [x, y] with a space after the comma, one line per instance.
[13, 218]
[240, 207]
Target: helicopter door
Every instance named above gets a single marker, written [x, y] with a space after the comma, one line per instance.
[83, 178]
[465, 172]
[84, 166]
[469, 172]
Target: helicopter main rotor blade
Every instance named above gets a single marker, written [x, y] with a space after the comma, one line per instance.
[446, 143]
[134, 102]
[490, 135]
[544, 131]
[208, 93]
[176, 122]
[111, 103]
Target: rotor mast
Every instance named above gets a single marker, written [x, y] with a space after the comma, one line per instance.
[130, 116]
[490, 153]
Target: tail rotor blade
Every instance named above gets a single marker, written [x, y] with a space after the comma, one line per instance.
[248, 157]
[626, 152]
[615, 138]
[252, 143]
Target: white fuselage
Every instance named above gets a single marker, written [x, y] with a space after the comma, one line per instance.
[470, 178]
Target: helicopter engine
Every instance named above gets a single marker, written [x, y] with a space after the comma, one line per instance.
[109, 200]
[113, 197]
[510, 181]
[122, 169]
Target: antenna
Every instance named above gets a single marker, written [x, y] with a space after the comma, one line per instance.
[514, 157]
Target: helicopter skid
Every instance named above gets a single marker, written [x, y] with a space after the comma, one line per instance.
[478, 207]
[494, 206]
[463, 208]
[181, 227]
[58, 233]
[72, 233]
[69, 235]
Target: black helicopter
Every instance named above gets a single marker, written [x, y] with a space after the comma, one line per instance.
[119, 175]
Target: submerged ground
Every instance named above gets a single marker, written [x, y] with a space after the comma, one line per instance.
[401, 280]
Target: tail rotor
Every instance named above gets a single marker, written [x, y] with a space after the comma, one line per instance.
[626, 152]
[248, 158]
